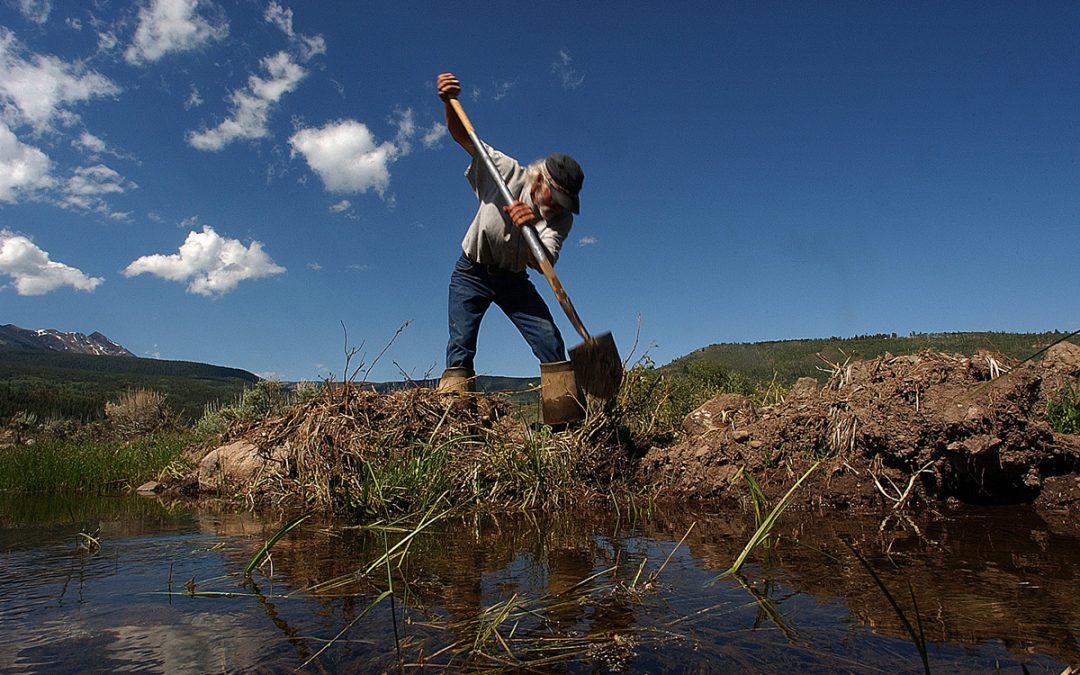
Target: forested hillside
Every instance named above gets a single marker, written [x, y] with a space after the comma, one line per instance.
[55, 384]
[788, 360]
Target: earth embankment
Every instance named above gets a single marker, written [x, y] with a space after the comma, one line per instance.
[891, 431]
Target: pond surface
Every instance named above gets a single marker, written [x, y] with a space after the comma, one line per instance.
[160, 588]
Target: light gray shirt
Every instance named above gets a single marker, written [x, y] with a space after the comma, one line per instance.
[492, 238]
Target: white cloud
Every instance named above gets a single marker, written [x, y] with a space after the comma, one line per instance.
[210, 264]
[586, 241]
[406, 125]
[406, 130]
[89, 143]
[96, 180]
[33, 272]
[94, 147]
[311, 46]
[433, 135]
[23, 168]
[346, 156]
[167, 26]
[308, 46]
[251, 106]
[564, 68]
[314, 266]
[194, 99]
[502, 89]
[85, 190]
[35, 91]
[343, 205]
[106, 41]
[36, 10]
[280, 17]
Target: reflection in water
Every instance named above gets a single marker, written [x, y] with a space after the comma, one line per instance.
[574, 591]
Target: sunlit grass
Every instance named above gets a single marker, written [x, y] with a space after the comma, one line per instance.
[1063, 412]
[99, 466]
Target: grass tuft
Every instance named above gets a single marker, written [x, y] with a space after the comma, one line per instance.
[91, 466]
[1063, 412]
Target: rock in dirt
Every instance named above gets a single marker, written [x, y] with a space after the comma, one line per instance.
[149, 488]
[236, 465]
[1061, 368]
[804, 388]
[715, 414]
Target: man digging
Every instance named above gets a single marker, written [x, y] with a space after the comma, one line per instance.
[494, 256]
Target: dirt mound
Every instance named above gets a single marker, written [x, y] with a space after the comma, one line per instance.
[889, 431]
[350, 449]
[321, 448]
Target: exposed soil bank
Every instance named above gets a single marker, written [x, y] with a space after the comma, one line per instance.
[890, 432]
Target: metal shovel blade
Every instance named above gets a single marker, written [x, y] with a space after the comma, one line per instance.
[597, 366]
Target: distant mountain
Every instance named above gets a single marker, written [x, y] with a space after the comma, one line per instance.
[47, 339]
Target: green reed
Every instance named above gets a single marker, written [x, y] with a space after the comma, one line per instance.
[765, 521]
[915, 632]
[89, 466]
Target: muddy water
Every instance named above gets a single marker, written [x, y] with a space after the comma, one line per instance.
[161, 591]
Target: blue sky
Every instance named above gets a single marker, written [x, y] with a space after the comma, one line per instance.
[230, 181]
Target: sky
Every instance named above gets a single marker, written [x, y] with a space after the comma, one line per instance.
[268, 184]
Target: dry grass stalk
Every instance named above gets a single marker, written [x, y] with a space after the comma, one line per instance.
[843, 425]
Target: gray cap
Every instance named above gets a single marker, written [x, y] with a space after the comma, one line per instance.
[566, 177]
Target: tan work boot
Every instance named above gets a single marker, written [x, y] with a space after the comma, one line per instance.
[457, 381]
[560, 397]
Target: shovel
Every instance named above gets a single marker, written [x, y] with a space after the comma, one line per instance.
[597, 366]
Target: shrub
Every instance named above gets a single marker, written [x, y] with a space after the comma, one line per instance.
[703, 380]
[265, 399]
[653, 403]
[22, 423]
[59, 428]
[138, 412]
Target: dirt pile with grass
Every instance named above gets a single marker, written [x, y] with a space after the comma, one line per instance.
[353, 450]
[893, 432]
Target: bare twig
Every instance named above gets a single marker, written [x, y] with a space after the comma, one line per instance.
[398, 332]
[350, 352]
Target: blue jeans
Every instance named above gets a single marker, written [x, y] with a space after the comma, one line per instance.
[473, 287]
